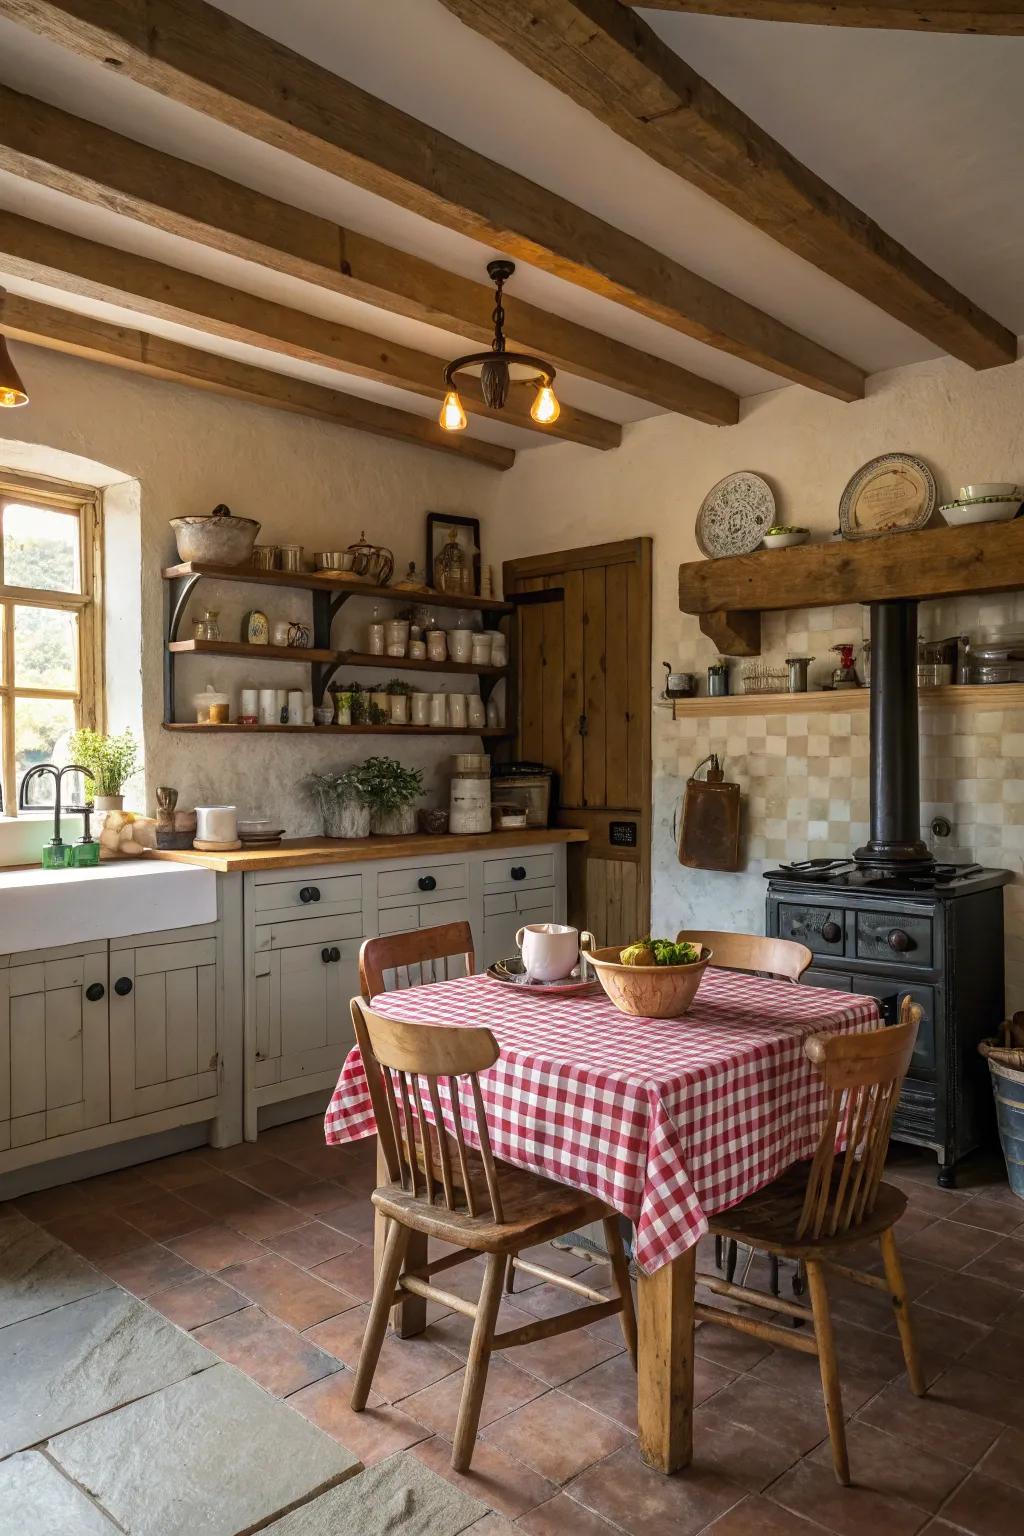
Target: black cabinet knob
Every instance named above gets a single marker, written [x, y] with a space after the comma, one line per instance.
[325, 956]
[309, 893]
[427, 883]
[518, 872]
[335, 953]
[899, 941]
[123, 985]
[96, 992]
[831, 932]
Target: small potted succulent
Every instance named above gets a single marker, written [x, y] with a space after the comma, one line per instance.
[392, 791]
[343, 802]
[111, 760]
[398, 691]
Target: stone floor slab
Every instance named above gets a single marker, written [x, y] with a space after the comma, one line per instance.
[83, 1359]
[35, 1500]
[38, 1273]
[400, 1495]
[213, 1453]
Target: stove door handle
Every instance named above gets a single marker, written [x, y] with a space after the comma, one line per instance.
[899, 941]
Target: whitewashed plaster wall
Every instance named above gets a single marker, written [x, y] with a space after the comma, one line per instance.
[967, 426]
[306, 481]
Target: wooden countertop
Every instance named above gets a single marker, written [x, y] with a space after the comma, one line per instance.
[295, 852]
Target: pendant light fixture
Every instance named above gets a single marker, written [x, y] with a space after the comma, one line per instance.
[12, 390]
[496, 369]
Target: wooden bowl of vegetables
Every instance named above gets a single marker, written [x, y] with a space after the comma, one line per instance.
[653, 978]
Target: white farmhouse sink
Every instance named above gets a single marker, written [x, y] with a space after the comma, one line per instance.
[42, 908]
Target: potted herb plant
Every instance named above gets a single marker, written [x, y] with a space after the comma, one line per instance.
[343, 801]
[392, 791]
[111, 760]
[398, 691]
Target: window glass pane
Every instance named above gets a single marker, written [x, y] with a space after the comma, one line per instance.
[41, 548]
[45, 648]
[42, 732]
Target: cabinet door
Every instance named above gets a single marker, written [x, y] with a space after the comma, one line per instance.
[163, 1026]
[53, 1048]
[500, 928]
[303, 1022]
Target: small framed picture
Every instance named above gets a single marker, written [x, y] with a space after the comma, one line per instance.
[453, 553]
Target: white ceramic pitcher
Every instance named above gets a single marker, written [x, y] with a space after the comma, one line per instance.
[550, 950]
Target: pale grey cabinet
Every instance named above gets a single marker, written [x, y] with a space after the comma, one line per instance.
[163, 1022]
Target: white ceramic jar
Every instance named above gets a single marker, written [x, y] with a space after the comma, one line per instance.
[375, 639]
[476, 711]
[460, 644]
[469, 809]
[499, 648]
[480, 651]
[419, 706]
[396, 637]
[417, 650]
[216, 824]
[437, 644]
[439, 709]
[457, 711]
[269, 712]
[398, 708]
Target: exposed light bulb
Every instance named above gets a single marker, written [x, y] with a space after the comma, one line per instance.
[12, 390]
[452, 417]
[545, 408]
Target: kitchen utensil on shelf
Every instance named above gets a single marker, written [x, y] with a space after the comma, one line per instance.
[373, 561]
[648, 991]
[279, 632]
[550, 951]
[212, 707]
[206, 627]
[298, 635]
[845, 675]
[718, 680]
[334, 560]
[375, 634]
[296, 707]
[398, 708]
[709, 827]
[264, 557]
[797, 678]
[499, 648]
[291, 557]
[992, 488]
[894, 493]
[678, 685]
[735, 515]
[218, 538]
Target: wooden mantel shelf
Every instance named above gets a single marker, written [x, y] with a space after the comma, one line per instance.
[729, 595]
[848, 701]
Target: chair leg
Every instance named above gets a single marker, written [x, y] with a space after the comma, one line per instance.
[477, 1362]
[719, 1253]
[829, 1367]
[620, 1269]
[510, 1275]
[901, 1307]
[731, 1255]
[377, 1326]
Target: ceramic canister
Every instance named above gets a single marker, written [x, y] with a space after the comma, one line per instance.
[480, 654]
[470, 804]
[296, 707]
[457, 710]
[460, 644]
[476, 711]
[417, 650]
[439, 709]
[270, 714]
[419, 705]
[216, 823]
[437, 644]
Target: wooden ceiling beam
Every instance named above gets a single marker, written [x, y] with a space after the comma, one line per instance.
[55, 149]
[206, 60]
[61, 330]
[1005, 19]
[43, 254]
[609, 61]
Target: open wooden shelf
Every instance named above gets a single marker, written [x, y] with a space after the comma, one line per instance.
[322, 581]
[490, 731]
[342, 658]
[848, 700]
[729, 595]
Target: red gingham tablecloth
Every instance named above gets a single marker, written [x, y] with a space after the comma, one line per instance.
[667, 1120]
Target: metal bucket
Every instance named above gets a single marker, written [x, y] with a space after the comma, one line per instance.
[1008, 1086]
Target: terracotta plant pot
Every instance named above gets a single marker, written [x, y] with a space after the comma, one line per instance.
[648, 991]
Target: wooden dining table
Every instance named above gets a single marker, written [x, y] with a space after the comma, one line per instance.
[667, 1120]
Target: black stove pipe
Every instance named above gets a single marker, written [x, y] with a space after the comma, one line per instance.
[895, 841]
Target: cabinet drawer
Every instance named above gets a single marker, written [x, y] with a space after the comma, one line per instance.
[902, 938]
[311, 930]
[404, 919]
[497, 902]
[308, 894]
[890, 993]
[421, 880]
[822, 929]
[507, 874]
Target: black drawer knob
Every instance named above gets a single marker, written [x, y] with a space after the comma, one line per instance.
[309, 893]
[427, 883]
[335, 954]
[899, 941]
[123, 985]
[517, 872]
[831, 932]
[96, 992]
[325, 956]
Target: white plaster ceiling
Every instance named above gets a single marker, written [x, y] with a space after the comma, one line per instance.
[922, 132]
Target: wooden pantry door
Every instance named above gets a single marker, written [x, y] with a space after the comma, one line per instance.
[583, 685]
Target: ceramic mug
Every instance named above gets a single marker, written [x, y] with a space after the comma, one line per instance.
[550, 950]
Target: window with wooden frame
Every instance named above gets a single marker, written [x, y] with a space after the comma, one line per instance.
[50, 626]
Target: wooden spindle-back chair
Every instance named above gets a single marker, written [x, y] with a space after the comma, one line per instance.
[449, 1186]
[414, 959]
[751, 952]
[818, 1209]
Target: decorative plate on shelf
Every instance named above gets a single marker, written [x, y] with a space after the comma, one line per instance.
[735, 515]
[891, 494]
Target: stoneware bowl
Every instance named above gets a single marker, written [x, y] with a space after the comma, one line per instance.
[958, 513]
[648, 991]
[218, 538]
[785, 538]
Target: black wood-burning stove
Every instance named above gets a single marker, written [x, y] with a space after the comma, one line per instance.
[890, 920]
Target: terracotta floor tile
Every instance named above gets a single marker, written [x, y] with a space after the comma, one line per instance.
[197, 1301]
[797, 1420]
[353, 1215]
[928, 1198]
[291, 1294]
[1004, 1263]
[1012, 1319]
[281, 1360]
[723, 1346]
[214, 1247]
[494, 1478]
[761, 1517]
[646, 1503]
[744, 1456]
[493, 1525]
[229, 1159]
[893, 1466]
[147, 1269]
[273, 1177]
[227, 1200]
[125, 1186]
[307, 1132]
[314, 1197]
[561, 1516]
[938, 1334]
[991, 1215]
[217, 1193]
[319, 1162]
[547, 1301]
[352, 1271]
[379, 1431]
[98, 1235]
[162, 1215]
[181, 1170]
[49, 1204]
[971, 1298]
[313, 1243]
[453, 1331]
[788, 1372]
[981, 1393]
[1005, 1460]
[437, 1406]
[986, 1507]
[405, 1365]
[610, 1389]
[556, 1436]
[561, 1359]
[948, 1244]
[931, 1421]
[1001, 1354]
[811, 1490]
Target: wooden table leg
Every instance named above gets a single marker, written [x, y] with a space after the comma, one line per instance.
[410, 1316]
[665, 1363]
